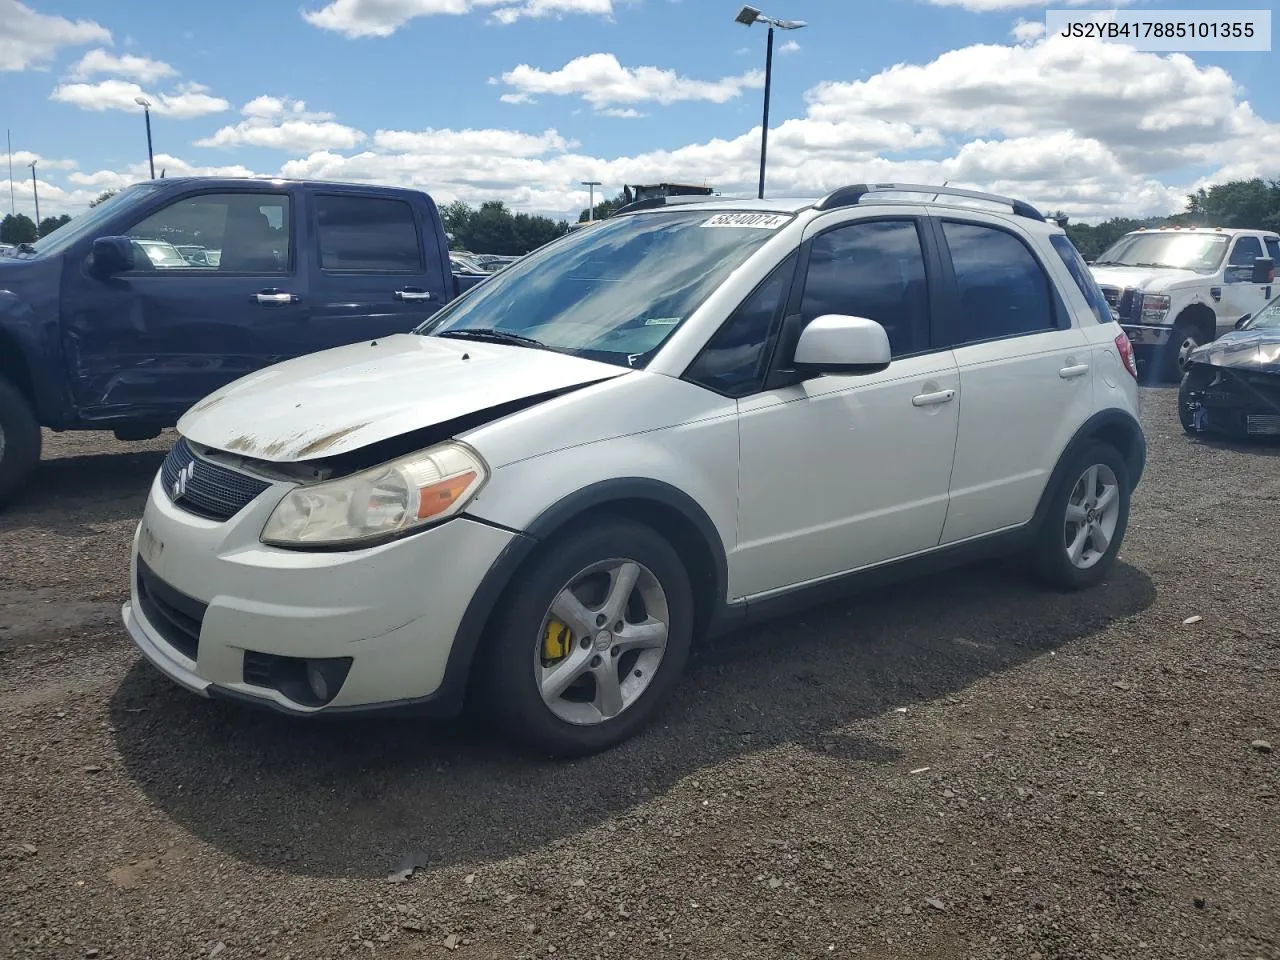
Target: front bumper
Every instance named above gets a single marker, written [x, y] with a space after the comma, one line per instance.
[1231, 401]
[209, 602]
[1147, 335]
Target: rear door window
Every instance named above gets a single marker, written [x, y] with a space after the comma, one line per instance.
[1083, 276]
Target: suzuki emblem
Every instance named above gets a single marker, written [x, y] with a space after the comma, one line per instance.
[184, 477]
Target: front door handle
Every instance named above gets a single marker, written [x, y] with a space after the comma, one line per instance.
[932, 399]
[412, 294]
[274, 296]
[1074, 370]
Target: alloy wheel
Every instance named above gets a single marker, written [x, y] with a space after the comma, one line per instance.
[1093, 512]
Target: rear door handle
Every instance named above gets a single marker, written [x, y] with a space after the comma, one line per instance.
[932, 399]
[1074, 370]
[412, 294]
[274, 296]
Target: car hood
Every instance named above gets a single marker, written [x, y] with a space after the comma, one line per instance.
[1248, 349]
[1150, 279]
[339, 400]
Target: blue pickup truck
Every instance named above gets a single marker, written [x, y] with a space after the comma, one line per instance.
[130, 313]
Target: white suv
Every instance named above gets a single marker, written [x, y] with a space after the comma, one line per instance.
[682, 418]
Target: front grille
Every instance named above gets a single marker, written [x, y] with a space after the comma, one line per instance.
[204, 488]
[1263, 424]
[175, 616]
[1127, 303]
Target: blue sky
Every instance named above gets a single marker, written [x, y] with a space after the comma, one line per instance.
[623, 91]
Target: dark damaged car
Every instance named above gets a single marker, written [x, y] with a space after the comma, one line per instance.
[1231, 387]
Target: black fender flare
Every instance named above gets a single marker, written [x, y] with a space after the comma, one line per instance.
[1100, 426]
[453, 688]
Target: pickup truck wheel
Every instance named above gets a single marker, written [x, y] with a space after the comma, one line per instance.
[1183, 338]
[1086, 520]
[20, 440]
[590, 641]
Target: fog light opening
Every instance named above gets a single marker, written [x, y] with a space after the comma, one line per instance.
[317, 681]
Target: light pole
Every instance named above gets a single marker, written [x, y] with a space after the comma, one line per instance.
[591, 204]
[145, 104]
[747, 16]
[35, 192]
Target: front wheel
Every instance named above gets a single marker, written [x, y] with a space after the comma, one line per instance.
[20, 440]
[590, 640]
[1086, 521]
[1184, 339]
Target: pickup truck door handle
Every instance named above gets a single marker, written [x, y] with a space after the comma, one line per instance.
[274, 296]
[413, 294]
[932, 399]
[1071, 371]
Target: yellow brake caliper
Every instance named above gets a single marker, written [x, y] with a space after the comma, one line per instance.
[557, 641]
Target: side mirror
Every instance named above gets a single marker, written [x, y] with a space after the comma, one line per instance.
[842, 345]
[1264, 270]
[112, 255]
[1243, 320]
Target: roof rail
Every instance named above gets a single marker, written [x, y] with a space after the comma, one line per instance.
[851, 195]
[650, 202]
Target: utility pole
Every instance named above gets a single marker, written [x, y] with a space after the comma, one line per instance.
[35, 192]
[591, 204]
[13, 206]
[145, 104]
[747, 16]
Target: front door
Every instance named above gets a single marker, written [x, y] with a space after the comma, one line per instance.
[843, 472]
[1026, 377]
[1240, 294]
[215, 294]
[377, 276]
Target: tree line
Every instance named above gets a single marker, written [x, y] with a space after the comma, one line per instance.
[493, 228]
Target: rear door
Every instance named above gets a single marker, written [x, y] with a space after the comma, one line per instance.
[1026, 373]
[377, 267]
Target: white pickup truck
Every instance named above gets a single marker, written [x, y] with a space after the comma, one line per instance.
[1176, 288]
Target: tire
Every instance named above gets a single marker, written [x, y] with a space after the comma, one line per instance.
[1183, 338]
[1186, 416]
[1050, 554]
[514, 663]
[20, 440]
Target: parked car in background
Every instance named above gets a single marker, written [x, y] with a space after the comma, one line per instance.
[644, 431]
[1232, 386]
[105, 324]
[1177, 288]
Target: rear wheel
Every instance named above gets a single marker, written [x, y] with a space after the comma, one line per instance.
[20, 440]
[1086, 521]
[591, 640]
[1186, 412]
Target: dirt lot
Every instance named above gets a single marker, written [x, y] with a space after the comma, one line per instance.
[960, 767]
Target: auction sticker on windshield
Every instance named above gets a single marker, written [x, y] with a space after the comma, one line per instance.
[757, 221]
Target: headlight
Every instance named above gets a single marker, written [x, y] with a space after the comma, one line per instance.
[1154, 307]
[387, 501]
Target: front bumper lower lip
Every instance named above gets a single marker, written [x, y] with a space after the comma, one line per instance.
[171, 666]
[1147, 334]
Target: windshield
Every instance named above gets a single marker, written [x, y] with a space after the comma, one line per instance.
[77, 227]
[615, 292]
[1202, 252]
[1268, 318]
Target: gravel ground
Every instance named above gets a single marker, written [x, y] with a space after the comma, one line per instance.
[960, 767]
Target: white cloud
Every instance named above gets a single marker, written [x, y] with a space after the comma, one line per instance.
[382, 18]
[626, 113]
[600, 80]
[789, 47]
[23, 158]
[1096, 129]
[1027, 31]
[187, 101]
[140, 69]
[29, 39]
[284, 124]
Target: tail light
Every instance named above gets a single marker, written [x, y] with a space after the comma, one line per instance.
[1125, 349]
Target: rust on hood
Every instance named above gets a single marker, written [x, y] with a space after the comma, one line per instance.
[253, 446]
[322, 444]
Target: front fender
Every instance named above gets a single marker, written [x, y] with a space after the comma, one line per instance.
[27, 353]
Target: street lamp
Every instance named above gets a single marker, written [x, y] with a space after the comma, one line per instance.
[747, 16]
[145, 104]
[591, 204]
[35, 192]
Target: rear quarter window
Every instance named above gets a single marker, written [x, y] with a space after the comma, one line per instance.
[1083, 276]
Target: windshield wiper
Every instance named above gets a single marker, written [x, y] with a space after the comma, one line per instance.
[1108, 263]
[1163, 266]
[491, 335]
